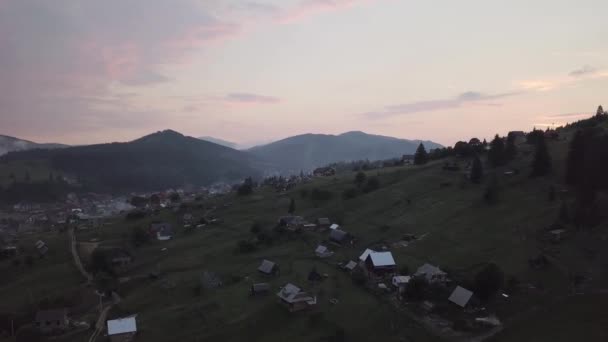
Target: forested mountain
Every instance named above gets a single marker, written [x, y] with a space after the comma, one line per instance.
[11, 144]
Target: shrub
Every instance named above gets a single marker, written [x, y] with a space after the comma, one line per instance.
[350, 193]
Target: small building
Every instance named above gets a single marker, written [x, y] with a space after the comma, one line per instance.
[166, 233]
[380, 263]
[365, 254]
[51, 321]
[291, 221]
[460, 296]
[339, 236]
[324, 172]
[323, 222]
[260, 289]
[334, 226]
[350, 266]
[432, 273]
[41, 247]
[268, 267]
[122, 329]
[295, 299]
[400, 281]
[323, 252]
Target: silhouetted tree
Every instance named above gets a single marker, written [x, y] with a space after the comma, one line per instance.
[476, 170]
[576, 158]
[360, 178]
[496, 155]
[510, 149]
[488, 281]
[462, 148]
[246, 188]
[534, 136]
[292, 206]
[541, 165]
[600, 110]
[421, 156]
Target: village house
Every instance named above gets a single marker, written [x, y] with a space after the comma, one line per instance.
[260, 289]
[41, 247]
[292, 222]
[324, 172]
[122, 329]
[364, 255]
[334, 226]
[350, 266]
[400, 281]
[268, 267]
[295, 299]
[460, 296]
[432, 273]
[339, 237]
[52, 321]
[323, 252]
[162, 231]
[323, 223]
[380, 263]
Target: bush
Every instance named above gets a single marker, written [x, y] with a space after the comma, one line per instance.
[350, 193]
[139, 236]
[488, 281]
[244, 246]
[373, 183]
[321, 195]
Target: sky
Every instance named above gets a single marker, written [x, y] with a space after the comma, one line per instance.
[84, 71]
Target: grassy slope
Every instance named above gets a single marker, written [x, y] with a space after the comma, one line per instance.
[461, 234]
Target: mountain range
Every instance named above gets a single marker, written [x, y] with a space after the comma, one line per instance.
[307, 151]
[168, 159]
[220, 142]
[12, 144]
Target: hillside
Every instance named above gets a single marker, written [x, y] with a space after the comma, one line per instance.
[307, 151]
[157, 161]
[11, 144]
[456, 229]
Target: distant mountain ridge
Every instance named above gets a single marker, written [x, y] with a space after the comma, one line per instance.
[307, 151]
[12, 144]
[219, 141]
[157, 161]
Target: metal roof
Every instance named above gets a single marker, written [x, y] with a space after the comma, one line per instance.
[321, 249]
[382, 259]
[122, 326]
[266, 267]
[365, 254]
[460, 296]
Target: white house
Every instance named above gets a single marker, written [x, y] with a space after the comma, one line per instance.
[122, 329]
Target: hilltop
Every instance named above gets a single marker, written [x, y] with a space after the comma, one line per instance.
[12, 144]
[308, 151]
[160, 160]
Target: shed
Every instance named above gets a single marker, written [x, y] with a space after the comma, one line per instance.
[260, 289]
[268, 267]
[380, 263]
[350, 266]
[338, 236]
[122, 329]
[460, 296]
[295, 299]
[433, 274]
[400, 281]
[323, 252]
[334, 226]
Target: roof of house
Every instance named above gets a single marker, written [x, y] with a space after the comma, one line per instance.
[429, 269]
[260, 287]
[321, 249]
[122, 325]
[382, 259]
[351, 265]
[460, 296]
[288, 291]
[334, 226]
[401, 279]
[365, 254]
[338, 235]
[324, 221]
[267, 266]
[51, 315]
[40, 244]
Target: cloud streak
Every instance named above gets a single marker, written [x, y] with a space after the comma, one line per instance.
[250, 98]
[466, 98]
[584, 70]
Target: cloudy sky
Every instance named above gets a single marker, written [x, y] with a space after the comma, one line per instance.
[84, 71]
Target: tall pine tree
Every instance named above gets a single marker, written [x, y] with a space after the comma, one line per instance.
[421, 156]
[600, 111]
[496, 154]
[541, 165]
[576, 158]
[510, 149]
[476, 170]
[292, 206]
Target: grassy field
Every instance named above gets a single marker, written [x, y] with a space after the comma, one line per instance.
[459, 232]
